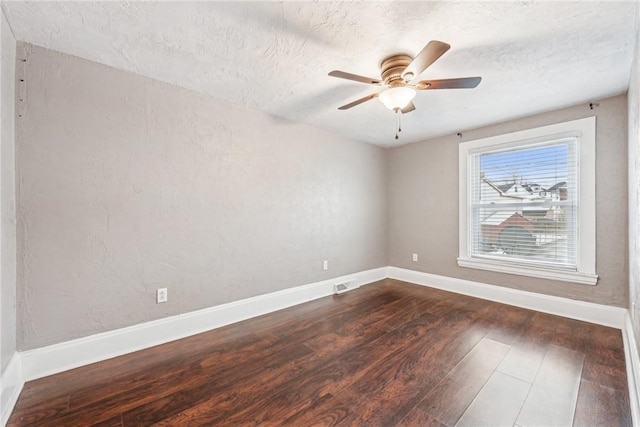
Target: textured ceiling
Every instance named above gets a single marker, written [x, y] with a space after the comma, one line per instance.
[275, 56]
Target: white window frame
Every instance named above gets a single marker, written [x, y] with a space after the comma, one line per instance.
[585, 131]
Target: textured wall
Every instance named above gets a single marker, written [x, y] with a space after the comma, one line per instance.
[7, 194]
[423, 205]
[634, 189]
[127, 184]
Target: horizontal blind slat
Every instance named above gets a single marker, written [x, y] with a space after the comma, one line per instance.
[523, 204]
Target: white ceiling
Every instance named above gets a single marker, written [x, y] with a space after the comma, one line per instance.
[275, 56]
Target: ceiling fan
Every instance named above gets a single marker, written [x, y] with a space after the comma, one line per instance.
[397, 74]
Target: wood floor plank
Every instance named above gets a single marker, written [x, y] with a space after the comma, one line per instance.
[418, 417]
[116, 421]
[222, 386]
[152, 383]
[237, 401]
[420, 292]
[376, 356]
[326, 411]
[451, 397]
[613, 376]
[501, 322]
[40, 412]
[279, 335]
[183, 389]
[315, 381]
[553, 395]
[146, 382]
[150, 360]
[605, 361]
[523, 360]
[390, 388]
[369, 327]
[497, 404]
[601, 406]
[560, 331]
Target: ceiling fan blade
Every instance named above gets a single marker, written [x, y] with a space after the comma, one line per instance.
[427, 56]
[409, 108]
[355, 77]
[462, 83]
[358, 101]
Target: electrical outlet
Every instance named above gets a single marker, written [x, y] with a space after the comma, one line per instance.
[415, 257]
[161, 295]
[325, 265]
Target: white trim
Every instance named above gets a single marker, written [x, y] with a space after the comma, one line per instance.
[11, 384]
[55, 358]
[632, 360]
[586, 256]
[589, 312]
[551, 274]
[44, 361]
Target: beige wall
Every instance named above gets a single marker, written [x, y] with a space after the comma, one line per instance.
[423, 205]
[634, 189]
[127, 184]
[7, 194]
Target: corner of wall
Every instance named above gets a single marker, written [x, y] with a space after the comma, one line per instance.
[7, 194]
[11, 383]
[387, 247]
[633, 109]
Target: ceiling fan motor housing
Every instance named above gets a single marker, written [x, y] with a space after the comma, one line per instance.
[392, 68]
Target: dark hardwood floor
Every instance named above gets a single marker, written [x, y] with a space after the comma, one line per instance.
[387, 354]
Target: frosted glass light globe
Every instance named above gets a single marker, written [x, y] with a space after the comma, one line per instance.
[397, 97]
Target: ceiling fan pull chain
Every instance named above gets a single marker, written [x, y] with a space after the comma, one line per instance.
[397, 110]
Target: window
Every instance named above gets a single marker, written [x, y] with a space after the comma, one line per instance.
[527, 202]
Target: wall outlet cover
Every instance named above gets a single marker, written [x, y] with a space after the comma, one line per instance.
[161, 295]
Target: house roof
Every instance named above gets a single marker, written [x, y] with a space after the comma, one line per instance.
[562, 184]
[504, 187]
[498, 218]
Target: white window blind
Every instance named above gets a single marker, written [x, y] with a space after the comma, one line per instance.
[523, 204]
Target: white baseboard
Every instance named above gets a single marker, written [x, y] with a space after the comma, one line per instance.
[589, 312]
[44, 361]
[56, 358]
[632, 360]
[11, 384]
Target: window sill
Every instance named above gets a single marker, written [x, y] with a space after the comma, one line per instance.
[543, 273]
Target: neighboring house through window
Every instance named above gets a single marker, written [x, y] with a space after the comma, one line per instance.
[527, 202]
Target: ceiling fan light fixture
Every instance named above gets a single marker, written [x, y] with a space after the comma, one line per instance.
[396, 98]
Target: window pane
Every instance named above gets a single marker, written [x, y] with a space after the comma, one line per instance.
[523, 204]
